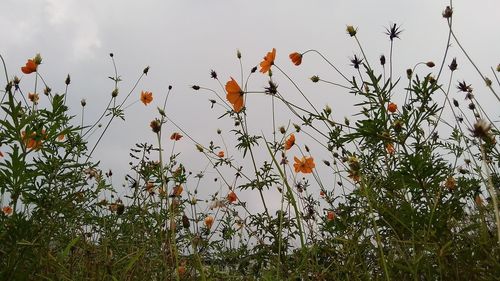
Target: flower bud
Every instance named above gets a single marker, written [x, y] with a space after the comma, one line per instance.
[114, 94]
[351, 30]
[448, 12]
[315, 78]
[83, 102]
[453, 65]
[430, 64]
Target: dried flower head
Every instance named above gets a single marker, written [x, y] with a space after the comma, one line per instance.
[315, 78]
[33, 97]
[448, 12]
[231, 197]
[175, 136]
[393, 32]
[462, 86]
[155, 125]
[481, 129]
[356, 62]
[272, 89]
[453, 65]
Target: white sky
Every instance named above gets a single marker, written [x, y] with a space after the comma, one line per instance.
[182, 40]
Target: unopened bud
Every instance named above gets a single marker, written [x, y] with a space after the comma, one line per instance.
[114, 94]
[68, 80]
[145, 71]
[83, 102]
[430, 64]
[315, 78]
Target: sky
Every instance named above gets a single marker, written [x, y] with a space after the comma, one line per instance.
[182, 40]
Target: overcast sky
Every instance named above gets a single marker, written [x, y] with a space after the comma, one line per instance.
[183, 40]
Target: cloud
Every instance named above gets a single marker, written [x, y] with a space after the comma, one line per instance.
[75, 19]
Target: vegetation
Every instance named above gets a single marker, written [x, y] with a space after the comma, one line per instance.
[405, 189]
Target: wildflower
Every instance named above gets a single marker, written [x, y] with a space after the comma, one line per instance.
[181, 270]
[290, 142]
[220, 154]
[30, 67]
[450, 183]
[351, 30]
[478, 200]
[234, 94]
[155, 125]
[304, 165]
[296, 58]
[7, 210]
[231, 197]
[392, 107]
[146, 97]
[390, 148]
[330, 215]
[34, 97]
[177, 191]
[268, 61]
[33, 141]
[356, 62]
[209, 221]
[393, 32]
[175, 136]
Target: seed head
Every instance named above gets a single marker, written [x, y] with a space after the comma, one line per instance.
[315, 79]
[453, 65]
[448, 12]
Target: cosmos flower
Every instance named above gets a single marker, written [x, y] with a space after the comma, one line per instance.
[268, 61]
[296, 58]
[304, 165]
[290, 142]
[234, 94]
[146, 97]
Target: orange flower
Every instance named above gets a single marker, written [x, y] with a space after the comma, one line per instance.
[220, 154]
[175, 136]
[290, 142]
[177, 191]
[390, 148]
[30, 67]
[33, 141]
[7, 210]
[146, 97]
[231, 197]
[209, 221]
[234, 94]
[330, 215]
[60, 137]
[296, 58]
[33, 97]
[392, 107]
[268, 61]
[304, 165]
